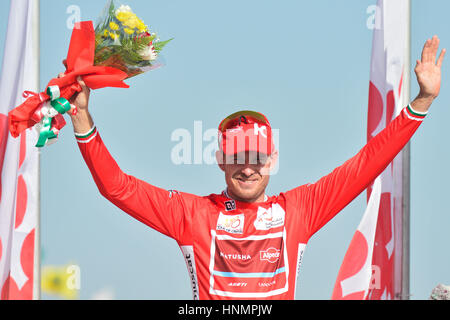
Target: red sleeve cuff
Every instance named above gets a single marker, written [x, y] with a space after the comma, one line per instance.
[86, 137]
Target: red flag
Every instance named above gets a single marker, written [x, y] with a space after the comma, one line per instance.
[18, 157]
[372, 265]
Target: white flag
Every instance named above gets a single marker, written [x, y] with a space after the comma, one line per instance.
[19, 159]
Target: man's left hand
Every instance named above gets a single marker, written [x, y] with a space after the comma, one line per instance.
[428, 72]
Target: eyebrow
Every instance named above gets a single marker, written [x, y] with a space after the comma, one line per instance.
[258, 159]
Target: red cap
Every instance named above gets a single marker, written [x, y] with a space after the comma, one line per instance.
[246, 131]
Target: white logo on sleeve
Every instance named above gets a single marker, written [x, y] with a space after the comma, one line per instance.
[269, 218]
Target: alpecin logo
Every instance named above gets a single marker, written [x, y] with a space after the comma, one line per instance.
[271, 255]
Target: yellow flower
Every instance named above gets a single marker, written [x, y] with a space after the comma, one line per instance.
[113, 26]
[132, 21]
[129, 20]
[143, 29]
[123, 16]
[141, 26]
[113, 35]
[128, 30]
[106, 33]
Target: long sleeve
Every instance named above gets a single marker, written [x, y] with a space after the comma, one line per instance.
[319, 202]
[162, 210]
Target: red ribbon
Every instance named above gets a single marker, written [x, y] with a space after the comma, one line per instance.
[80, 62]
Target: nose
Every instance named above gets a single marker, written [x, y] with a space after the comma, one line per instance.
[248, 171]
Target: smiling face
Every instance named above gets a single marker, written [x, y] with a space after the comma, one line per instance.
[247, 174]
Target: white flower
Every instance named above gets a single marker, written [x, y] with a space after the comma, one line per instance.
[148, 53]
[123, 8]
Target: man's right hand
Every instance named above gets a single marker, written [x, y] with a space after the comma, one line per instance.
[82, 121]
[81, 99]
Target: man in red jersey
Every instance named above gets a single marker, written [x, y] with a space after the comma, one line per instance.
[242, 244]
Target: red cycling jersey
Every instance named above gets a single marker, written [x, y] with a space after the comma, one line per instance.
[238, 250]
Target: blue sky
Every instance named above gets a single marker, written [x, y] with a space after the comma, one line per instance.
[305, 64]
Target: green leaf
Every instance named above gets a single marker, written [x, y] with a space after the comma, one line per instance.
[161, 44]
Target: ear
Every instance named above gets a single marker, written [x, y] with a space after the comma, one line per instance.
[273, 160]
[220, 159]
[267, 170]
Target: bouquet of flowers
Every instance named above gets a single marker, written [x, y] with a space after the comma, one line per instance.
[123, 41]
[120, 47]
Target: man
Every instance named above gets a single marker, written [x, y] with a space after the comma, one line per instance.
[242, 243]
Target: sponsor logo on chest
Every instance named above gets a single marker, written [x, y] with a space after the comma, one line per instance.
[231, 223]
[235, 256]
[271, 255]
[268, 218]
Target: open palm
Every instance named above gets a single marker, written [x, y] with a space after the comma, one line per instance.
[428, 70]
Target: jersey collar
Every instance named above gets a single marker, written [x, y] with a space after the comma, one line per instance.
[225, 193]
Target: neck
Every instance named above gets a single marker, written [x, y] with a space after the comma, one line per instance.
[261, 198]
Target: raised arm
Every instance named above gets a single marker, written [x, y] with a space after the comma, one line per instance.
[162, 210]
[321, 201]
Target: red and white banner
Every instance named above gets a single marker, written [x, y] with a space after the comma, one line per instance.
[19, 159]
[372, 269]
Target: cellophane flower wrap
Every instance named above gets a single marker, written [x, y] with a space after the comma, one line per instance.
[121, 46]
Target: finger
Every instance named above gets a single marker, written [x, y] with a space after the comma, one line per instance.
[81, 82]
[441, 58]
[430, 50]
[425, 50]
[61, 75]
[434, 48]
[418, 63]
[83, 85]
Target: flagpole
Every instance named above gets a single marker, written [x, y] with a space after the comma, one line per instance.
[406, 155]
[37, 240]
